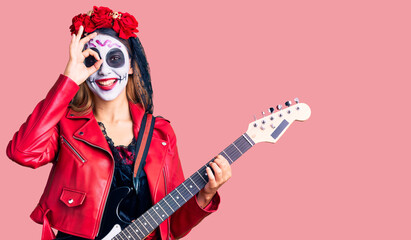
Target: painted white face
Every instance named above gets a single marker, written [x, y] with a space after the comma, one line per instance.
[111, 79]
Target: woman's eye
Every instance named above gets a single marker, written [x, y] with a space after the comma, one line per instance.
[115, 58]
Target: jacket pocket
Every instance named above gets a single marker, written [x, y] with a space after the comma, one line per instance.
[72, 198]
[72, 149]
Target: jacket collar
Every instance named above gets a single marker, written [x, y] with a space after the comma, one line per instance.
[90, 131]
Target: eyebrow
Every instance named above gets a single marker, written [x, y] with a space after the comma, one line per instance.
[108, 42]
[90, 44]
[114, 50]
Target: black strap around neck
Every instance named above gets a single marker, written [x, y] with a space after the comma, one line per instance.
[143, 144]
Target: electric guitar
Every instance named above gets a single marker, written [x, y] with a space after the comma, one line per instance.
[266, 129]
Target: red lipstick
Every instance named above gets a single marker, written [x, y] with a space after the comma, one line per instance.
[106, 87]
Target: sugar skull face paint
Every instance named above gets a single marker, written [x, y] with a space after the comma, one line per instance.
[111, 79]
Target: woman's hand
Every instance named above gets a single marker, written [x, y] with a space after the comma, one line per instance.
[222, 172]
[75, 69]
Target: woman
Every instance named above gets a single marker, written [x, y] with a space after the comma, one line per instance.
[87, 127]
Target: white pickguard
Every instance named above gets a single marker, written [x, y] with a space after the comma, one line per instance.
[114, 231]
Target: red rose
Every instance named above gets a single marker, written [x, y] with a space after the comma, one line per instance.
[76, 23]
[126, 26]
[82, 19]
[89, 26]
[101, 17]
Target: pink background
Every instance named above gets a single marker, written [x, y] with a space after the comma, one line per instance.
[343, 174]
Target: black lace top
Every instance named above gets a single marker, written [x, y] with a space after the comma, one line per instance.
[124, 156]
[124, 160]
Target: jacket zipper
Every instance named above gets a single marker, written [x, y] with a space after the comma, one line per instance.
[111, 180]
[72, 149]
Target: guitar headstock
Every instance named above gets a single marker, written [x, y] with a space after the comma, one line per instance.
[271, 127]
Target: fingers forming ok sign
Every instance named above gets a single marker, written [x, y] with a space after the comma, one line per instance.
[76, 69]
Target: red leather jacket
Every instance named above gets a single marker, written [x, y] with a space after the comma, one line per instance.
[83, 166]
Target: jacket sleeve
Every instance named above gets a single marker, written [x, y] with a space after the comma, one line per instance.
[190, 214]
[36, 142]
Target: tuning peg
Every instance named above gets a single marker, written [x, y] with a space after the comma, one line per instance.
[288, 103]
[263, 122]
[271, 109]
[279, 106]
[296, 100]
[255, 119]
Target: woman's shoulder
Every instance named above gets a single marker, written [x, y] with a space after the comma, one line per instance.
[163, 126]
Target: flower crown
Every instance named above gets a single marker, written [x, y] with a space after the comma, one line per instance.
[124, 24]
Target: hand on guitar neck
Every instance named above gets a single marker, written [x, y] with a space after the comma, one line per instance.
[220, 173]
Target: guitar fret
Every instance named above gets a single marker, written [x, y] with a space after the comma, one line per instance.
[155, 216]
[147, 221]
[148, 212]
[119, 235]
[122, 234]
[201, 176]
[194, 183]
[232, 152]
[242, 145]
[163, 211]
[245, 145]
[184, 189]
[248, 140]
[168, 204]
[198, 181]
[136, 231]
[237, 148]
[227, 157]
[129, 234]
[181, 195]
[174, 200]
[143, 225]
[158, 214]
[190, 187]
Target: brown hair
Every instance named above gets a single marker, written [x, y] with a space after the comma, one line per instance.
[138, 88]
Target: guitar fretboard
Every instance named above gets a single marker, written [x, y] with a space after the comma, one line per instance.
[158, 213]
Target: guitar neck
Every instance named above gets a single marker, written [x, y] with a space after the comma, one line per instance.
[158, 213]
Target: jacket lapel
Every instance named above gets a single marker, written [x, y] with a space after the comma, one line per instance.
[89, 131]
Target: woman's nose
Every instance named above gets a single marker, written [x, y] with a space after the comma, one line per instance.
[104, 70]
